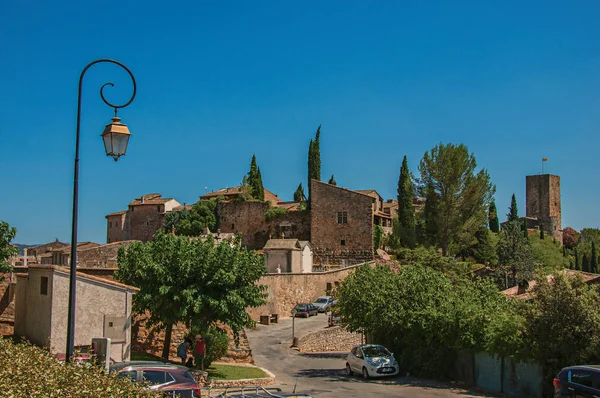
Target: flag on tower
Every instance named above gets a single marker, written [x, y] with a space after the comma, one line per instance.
[544, 159]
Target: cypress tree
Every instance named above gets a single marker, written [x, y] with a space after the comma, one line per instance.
[493, 221]
[406, 213]
[431, 216]
[299, 194]
[594, 259]
[332, 181]
[260, 193]
[253, 177]
[317, 155]
[585, 264]
[310, 168]
[577, 260]
[513, 212]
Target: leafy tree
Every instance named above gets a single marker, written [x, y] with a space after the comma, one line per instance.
[594, 259]
[484, 251]
[193, 222]
[299, 194]
[194, 282]
[513, 211]
[332, 181]
[216, 340]
[7, 234]
[585, 263]
[547, 253]
[562, 323]
[377, 236]
[570, 237]
[493, 218]
[515, 258]
[464, 195]
[406, 212]
[173, 218]
[589, 235]
[431, 223]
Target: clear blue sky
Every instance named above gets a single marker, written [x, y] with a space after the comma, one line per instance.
[219, 81]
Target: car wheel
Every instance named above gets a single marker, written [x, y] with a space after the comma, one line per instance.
[349, 370]
[365, 373]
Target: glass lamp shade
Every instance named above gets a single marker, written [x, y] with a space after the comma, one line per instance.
[116, 137]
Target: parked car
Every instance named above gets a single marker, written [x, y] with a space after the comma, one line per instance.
[173, 380]
[580, 381]
[371, 360]
[323, 303]
[306, 310]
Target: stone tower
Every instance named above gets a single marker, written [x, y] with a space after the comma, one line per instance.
[543, 203]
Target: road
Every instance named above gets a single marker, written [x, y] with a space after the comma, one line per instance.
[323, 375]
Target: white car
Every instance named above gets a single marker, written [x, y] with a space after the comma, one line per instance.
[371, 360]
[323, 303]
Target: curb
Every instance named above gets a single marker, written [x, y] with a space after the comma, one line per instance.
[259, 381]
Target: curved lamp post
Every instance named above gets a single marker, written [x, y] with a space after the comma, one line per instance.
[115, 137]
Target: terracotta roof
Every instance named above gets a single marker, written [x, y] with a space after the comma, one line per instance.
[514, 291]
[281, 244]
[150, 199]
[370, 192]
[83, 275]
[117, 213]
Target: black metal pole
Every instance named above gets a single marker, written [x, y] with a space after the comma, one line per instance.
[73, 258]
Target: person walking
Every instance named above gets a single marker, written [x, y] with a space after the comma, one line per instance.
[182, 350]
[200, 352]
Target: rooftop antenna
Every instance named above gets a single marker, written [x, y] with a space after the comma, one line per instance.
[543, 160]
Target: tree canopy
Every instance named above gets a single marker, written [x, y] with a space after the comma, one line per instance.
[299, 194]
[464, 194]
[494, 223]
[7, 234]
[198, 283]
[515, 258]
[193, 222]
[513, 211]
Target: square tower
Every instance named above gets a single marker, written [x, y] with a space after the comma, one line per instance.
[543, 203]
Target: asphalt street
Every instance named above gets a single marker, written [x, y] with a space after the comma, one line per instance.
[323, 374]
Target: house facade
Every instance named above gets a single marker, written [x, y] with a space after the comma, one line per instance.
[288, 256]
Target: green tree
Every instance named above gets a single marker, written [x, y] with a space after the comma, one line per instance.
[594, 259]
[431, 223]
[494, 224]
[194, 282]
[254, 180]
[7, 234]
[377, 236]
[513, 211]
[173, 218]
[299, 194]
[484, 251]
[406, 212]
[314, 161]
[547, 253]
[562, 323]
[464, 194]
[311, 166]
[585, 263]
[515, 258]
[193, 222]
[577, 259]
[589, 235]
[332, 181]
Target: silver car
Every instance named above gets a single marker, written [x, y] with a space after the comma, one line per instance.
[323, 303]
[371, 360]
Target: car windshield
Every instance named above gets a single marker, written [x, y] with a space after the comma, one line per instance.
[374, 351]
[301, 306]
[321, 300]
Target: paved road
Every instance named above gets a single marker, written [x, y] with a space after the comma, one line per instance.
[323, 375]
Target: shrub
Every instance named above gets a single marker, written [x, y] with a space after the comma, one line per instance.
[274, 212]
[29, 371]
[217, 344]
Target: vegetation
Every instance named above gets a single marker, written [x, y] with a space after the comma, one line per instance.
[194, 282]
[493, 221]
[314, 160]
[193, 222]
[7, 234]
[377, 237]
[29, 371]
[252, 182]
[232, 372]
[217, 342]
[515, 258]
[299, 194]
[274, 212]
[570, 237]
[513, 211]
[406, 212]
[332, 181]
[464, 195]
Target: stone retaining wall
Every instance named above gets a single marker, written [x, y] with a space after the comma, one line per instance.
[327, 340]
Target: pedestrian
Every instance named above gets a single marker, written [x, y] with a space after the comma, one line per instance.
[182, 350]
[200, 352]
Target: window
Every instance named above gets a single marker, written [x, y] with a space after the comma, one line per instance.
[157, 377]
[343, 242]
[44, 286]
[158, 208]
[232, 226]
[582, 378]
[131, 375]
[342, 217]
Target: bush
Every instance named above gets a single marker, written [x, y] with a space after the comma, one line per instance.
[274, 212]
[29, 371]
[217, 344]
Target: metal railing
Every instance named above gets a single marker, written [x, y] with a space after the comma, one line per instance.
[228, 391]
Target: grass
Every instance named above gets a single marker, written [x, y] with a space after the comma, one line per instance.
[229, 372]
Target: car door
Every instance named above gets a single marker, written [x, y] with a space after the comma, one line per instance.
[582, 383]
[157, 378]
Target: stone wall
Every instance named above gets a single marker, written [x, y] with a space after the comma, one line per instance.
[328, 340]
[248, 219]
[340, 243]
[144, 221]
[7, 303]
[116, 227]
[543, 202]
[104, 256]
[286, 290]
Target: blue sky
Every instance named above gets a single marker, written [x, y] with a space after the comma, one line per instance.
[218, 81]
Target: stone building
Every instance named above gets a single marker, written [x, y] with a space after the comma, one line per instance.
[543, 203]
[236, 192]
[381, 215]
[288, 256]
[62, 255]
[103, 309]
[342, 222]
[145, 215]
[37, 251]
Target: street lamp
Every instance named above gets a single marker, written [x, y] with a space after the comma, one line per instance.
[115, 137]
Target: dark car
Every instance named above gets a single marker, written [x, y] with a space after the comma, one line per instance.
[578, 381]
[306, 310]
[173, 380]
